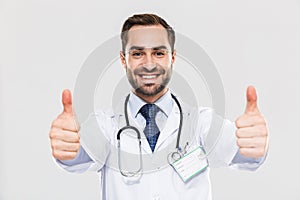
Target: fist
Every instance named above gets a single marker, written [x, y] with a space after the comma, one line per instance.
[63, 134]
[252, 132]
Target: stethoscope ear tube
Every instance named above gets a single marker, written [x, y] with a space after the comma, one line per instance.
[129, 127]
[129, 174]
[180, 122]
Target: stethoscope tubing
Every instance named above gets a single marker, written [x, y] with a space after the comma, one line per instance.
[128, 126]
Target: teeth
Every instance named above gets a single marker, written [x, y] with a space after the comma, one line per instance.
[149, 76]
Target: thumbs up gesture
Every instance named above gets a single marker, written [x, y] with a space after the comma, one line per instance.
[252, 132]
[63, 134]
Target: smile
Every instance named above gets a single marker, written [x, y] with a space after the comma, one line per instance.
[149, 76]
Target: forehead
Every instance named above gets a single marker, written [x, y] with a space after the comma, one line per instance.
[147, 36]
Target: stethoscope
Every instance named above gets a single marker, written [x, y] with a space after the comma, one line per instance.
[174, 155]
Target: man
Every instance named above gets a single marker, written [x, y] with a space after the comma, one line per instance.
[147, 56]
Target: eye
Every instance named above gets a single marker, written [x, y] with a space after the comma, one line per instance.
[159, 53]
[136, 53]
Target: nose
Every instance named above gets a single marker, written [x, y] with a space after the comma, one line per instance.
[150, 67]
[149, 61]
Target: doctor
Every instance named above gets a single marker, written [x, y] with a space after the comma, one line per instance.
[148, 56]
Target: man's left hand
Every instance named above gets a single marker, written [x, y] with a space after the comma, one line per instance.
[252, 131]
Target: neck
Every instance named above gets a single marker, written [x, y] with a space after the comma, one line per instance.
[153, 98]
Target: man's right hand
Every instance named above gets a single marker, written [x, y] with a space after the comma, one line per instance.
[64, 137]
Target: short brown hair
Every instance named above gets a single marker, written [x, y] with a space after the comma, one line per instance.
[146, 19]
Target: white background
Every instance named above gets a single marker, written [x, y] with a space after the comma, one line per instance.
[44, 43]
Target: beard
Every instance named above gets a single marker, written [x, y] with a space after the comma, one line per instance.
[149, 89]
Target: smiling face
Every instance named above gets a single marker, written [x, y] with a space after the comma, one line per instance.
[148, 61]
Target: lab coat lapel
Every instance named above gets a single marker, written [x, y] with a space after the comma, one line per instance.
[122, 122]
[144, 141]
[170, 128]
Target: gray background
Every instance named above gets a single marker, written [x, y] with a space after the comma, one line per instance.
[44, 43]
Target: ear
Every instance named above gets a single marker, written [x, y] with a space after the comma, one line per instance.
[123, 59]
[173, 56]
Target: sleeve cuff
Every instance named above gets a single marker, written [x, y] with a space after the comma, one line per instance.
[245, 163]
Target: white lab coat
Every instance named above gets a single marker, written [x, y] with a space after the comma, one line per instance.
[159, 180]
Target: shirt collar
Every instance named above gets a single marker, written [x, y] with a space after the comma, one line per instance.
[165, 103]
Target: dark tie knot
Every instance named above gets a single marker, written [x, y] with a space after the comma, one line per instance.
[149, 111]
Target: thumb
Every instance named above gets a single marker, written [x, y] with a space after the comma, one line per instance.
[251, 100]
[67, 101]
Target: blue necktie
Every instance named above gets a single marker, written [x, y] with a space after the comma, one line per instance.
[151, 130]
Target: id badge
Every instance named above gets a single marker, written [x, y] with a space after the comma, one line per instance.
[191, 164]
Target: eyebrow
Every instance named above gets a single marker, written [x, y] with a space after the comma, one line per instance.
[142, 48]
